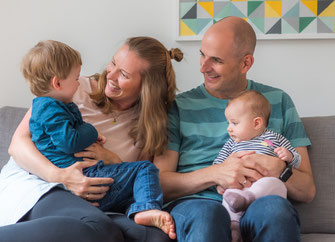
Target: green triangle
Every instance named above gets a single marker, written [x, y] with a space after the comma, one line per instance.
[258, 22]
[304, 22]
[225, 12]
[192, 24]
[293, 12]
[202, 23]
[252, 6]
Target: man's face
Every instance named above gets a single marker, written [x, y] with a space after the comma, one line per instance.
[220, 66]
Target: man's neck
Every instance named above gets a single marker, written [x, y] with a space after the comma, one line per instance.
[229, 93]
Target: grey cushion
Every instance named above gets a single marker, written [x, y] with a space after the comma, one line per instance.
[10, 117]
[318, 237]
[318, 216]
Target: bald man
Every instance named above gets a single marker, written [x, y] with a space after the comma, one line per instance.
[197, 127]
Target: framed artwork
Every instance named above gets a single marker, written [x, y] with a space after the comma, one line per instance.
[273, 19]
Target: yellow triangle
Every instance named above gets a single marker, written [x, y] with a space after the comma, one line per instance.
[273, 9]
[185, 30]
[311, 5]
[329, 12]
[208, 6]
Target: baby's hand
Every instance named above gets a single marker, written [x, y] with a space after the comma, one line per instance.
[220, 189]
[101, 139]
[284, 154]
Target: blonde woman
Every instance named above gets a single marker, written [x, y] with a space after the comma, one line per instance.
[128, 104]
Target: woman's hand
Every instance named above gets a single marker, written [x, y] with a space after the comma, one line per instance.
[88, 188]
[98, 152]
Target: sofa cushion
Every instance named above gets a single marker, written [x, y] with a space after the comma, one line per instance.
[318, 216]
[10, 117]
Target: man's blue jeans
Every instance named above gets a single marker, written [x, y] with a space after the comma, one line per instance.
[135, 184]
[271, 218]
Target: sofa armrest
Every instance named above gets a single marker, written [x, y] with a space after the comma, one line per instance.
[10, 117]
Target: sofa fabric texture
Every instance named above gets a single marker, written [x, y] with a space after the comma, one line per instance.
[317, 218]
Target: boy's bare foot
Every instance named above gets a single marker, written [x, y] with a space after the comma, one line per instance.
[157, 218]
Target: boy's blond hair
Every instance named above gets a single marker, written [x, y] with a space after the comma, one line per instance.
[46, 60]
[256, 103]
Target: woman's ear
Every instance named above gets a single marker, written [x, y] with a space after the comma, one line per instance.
[258, 123]
[55, 83]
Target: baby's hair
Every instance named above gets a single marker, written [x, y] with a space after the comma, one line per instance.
[46, 60]
[256, 102]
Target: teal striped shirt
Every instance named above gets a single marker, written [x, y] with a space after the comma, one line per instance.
[198, 127]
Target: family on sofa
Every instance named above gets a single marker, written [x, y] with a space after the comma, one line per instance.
[134, 106]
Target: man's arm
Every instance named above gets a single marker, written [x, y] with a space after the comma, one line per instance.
[300, 185]
[229, 174]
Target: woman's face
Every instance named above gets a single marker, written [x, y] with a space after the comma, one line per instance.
[124, 78]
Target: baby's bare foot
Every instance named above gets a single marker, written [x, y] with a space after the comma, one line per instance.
[157, 218]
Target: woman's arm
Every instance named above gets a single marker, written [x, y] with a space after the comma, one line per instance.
[29, 158]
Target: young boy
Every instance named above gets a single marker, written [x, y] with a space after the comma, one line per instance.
[248, 115]
[52, 70]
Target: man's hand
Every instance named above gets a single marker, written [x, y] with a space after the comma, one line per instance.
[273, 165]
[236, 172]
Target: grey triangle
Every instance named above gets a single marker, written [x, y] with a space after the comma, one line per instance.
[293, 21]
[192, 13]
[322, 27]
[218, 6]
[276, 28]
[258, 13]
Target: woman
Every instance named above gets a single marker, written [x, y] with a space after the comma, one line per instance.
[128, 104]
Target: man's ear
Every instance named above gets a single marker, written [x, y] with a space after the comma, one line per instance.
[55, 83]
[247, 63]
[258, 122]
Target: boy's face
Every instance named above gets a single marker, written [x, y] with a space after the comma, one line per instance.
[70, 85]
[241, 121]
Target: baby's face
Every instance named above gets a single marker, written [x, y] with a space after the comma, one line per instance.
[241, 125]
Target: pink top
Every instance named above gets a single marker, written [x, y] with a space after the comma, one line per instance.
[118, 140]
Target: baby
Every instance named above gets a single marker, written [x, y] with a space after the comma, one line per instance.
[248, 115]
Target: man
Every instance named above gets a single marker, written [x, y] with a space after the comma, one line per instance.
[198, 131]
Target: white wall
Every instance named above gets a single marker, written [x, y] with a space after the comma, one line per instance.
[303, 68]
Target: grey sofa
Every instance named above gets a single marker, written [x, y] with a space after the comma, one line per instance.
[317, 218]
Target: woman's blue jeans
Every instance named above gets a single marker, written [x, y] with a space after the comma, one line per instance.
[271, 218]
[135, 184]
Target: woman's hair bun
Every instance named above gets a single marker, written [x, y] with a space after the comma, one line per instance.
[176, 54]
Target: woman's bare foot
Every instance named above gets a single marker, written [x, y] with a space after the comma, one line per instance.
[157, 218]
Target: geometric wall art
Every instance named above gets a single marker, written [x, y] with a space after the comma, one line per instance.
[275, 19]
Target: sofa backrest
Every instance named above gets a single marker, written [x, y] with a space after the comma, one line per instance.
[315, 217]
[319, 215]
[10, 118]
